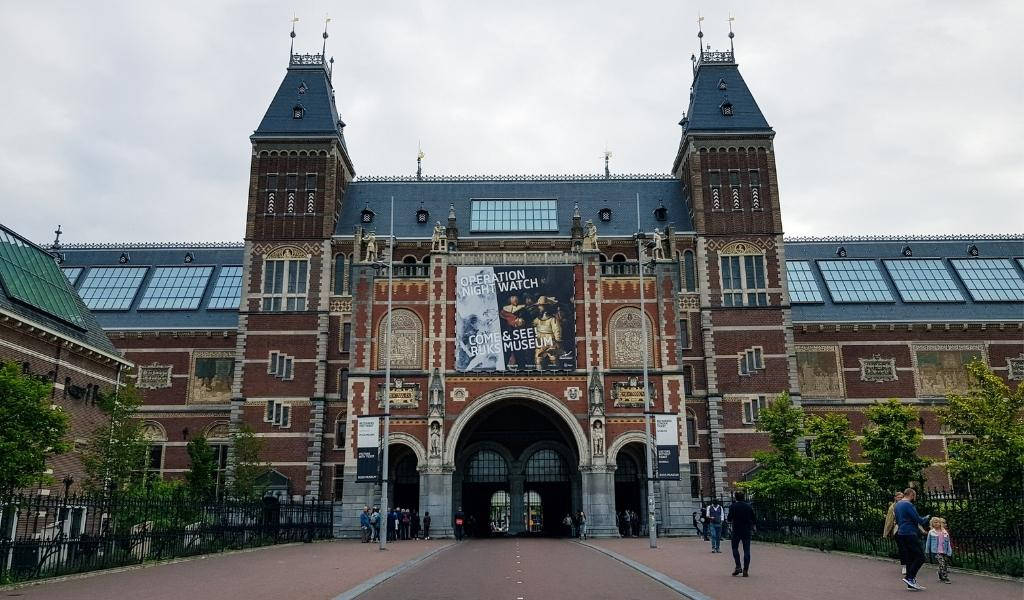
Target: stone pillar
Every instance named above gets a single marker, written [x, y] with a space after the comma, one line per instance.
[676, 506]
[436, 497]
[354, 497]
[599, 501]
[517, 510]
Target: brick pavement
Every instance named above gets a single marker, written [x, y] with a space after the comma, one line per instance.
[309, 571]
[789, 573]
[547, 568]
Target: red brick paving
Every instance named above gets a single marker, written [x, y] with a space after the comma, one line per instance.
[550, 569]
[787, 573]
[308, 571]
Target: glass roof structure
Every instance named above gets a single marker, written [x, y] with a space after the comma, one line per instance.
[72, 273]
[854, 281]
[175, 288]
[30, 276]
[802, 286]
[990, 279]
[227, 291]
[513, 215]
[111, 288]
[923, 280]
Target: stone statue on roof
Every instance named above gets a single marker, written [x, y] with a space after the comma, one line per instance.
[371, 247]
[658, 245]
[440, 238]
[590, 236]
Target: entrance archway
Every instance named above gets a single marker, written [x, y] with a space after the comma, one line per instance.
[516, 470]
[631, 488]
[403, 477]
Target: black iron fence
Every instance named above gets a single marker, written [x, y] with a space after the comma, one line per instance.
[987, 530]
[44, 536]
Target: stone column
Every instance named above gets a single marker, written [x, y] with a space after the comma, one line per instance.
[436, 497]
[517, 510]
[354, 497]
[599, 501]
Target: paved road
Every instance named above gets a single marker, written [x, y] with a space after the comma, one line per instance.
[520, 569]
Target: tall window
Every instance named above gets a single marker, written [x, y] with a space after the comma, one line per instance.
[284, 285]
[694, 479]
[487, 466]
[684, 333]
[546, 466]
[743, 281]
[691, 429]
[689, 271]
[688, 381]
[752, 408]
[339, 274]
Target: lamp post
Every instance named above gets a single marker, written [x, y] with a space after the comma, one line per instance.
[386, 262]
[641, 242]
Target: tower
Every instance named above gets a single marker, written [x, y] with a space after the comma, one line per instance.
[727, 166]
[300, 169]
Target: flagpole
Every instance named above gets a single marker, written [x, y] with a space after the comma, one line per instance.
[652, 529]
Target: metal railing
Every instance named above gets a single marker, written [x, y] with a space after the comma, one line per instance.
[45, 536]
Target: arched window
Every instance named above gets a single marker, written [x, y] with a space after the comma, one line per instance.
[501, 508]
[619, 258]
[409, 260]
[546, 465]
[339, 274]
[688, 381]
[625, 339]
[486, 466]
[626, 469]
[339, 432]
[689, 271]
[405, 470]
[691, 428]
[406, 340]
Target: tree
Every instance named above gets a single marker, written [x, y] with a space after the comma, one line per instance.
[247, 464]
[201, 478]
[890, 446]
[831, 470]
[115, 454]
[30, 429]
[780, 472]
[992, 415]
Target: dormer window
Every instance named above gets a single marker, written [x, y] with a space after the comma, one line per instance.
[302, 88]
[605, 214]
[422, 215]
[298, 111]
[726, 108]
[721, 85]
[661, 213]
[366, 216]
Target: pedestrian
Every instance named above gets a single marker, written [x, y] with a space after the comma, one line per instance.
[890, 527]
[940, 546]
[742, 519]
[426, 525]
[908, 521]
[635, 522]
[583, 525]
[460, 522]
[415, 524]
[704, 520]
[406, 523]
[375, 523]
[364, 524]
[714, 519]
[392, 522]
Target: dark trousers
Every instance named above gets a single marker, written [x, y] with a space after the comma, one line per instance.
[912, 553]
[458, 532]
[736, 539]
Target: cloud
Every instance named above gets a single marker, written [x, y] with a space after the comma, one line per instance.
[130, 121]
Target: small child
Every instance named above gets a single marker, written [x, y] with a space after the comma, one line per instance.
[941, 546]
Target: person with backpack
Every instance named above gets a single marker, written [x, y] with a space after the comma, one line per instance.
[714, 515]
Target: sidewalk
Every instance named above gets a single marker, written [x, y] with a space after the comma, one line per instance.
[790, 573]
[315, 571]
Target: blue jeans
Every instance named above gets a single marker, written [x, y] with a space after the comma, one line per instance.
[716, 536]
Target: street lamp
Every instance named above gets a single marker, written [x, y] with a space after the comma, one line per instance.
[641, 255]
[386, 262]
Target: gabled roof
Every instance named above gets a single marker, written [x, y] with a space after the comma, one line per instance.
[306, 84]
[704, 114]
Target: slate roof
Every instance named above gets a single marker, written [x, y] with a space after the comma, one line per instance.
[320, 114]
[91, 332]
[899, 311]
[704, 114]
[592, 194]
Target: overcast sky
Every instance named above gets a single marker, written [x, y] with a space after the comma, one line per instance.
[130, 120]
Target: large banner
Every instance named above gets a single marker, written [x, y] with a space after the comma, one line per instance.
[515, 318]
[368, 449]
[666, 438]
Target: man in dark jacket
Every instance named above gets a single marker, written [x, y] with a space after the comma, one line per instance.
[364, 524]
[460, 522]
[741, 516]
[907, 541]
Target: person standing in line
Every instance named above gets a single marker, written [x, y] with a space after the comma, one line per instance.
[406, 523]
[908, 521]
[364, 524]
[460, 522]
[583, 525]
[415, 522]
[714, 516]
[743, 521]
[704, 520]
[375, 523]
[426, 525]
[941, 546]
[890, 527]
[391, 524]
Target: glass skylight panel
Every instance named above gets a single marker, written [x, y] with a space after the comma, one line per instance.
[176, 288]
[854, 281]
[31, 276]
[227, 292]
[923, 280]
[802, 286]
[72, 273]
[513, 215]
[990, 279]
[111, 288]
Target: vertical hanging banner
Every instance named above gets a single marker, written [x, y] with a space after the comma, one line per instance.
[368, 449]
[515, 318]
[666, 439]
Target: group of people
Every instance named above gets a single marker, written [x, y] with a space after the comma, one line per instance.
[904, 523]
[398, 524]
[629, 523]
[575, 525]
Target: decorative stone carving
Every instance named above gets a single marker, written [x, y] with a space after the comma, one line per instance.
[630, 393]
[439, 240]
[459, 394]
[689, 303]
[590, 236]
[341, 305]
[877, 369]
[625, 333]
[370, 253]
[435, 439]
[573, 394]
[406, 340]
[941, 369]
[597, 438]
[820, 372]
[213, 372]
[1015, 368]
[153, 377]
[403, 395]
[657, 245]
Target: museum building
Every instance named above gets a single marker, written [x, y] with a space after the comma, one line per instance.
[520, 320]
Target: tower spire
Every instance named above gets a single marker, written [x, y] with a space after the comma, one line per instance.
[323, 51]
[56, 240]
[419, 161]
[607, 156]
[291, 49]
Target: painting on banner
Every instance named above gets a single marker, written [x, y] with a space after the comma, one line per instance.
[515, 318]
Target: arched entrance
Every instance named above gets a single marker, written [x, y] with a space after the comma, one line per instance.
[631, 488]
[403, 477]
[516, 470]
